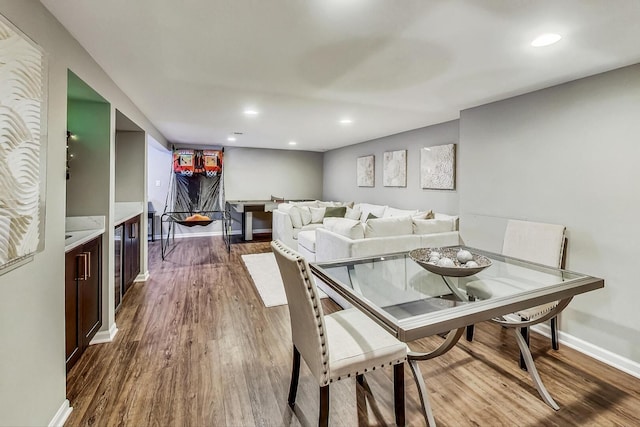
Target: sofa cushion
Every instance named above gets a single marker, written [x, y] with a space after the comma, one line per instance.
[311, 226]
[367, 208]
[429, 226]
[307, 239]
[313, 203]
[393, 212]
[335, 212]
[317, 214]
[392, 226]
[350, 228]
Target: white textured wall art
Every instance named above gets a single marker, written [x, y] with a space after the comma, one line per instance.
[395, 168]
[21, 171]
[438, 167]
[366, 171]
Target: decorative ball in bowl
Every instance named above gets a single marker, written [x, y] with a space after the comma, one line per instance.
[453, 261]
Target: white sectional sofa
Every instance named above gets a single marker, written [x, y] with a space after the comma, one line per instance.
[364, 229]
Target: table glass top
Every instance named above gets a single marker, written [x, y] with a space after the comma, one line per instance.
[400, 292]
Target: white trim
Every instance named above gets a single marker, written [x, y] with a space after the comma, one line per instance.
[61, 416]
[105, 336]
[215, 233]
[605, 356]
[142, 277]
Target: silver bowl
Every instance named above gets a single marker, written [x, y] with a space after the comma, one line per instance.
[422, 255]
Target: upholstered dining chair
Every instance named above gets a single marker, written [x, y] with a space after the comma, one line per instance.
[337, 346]
[536, 242]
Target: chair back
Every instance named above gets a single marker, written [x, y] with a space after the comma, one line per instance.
[535, 241]
[305, 310]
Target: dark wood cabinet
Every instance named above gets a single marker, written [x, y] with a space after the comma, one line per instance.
[118, 246]
[83, 298]
[131, 252]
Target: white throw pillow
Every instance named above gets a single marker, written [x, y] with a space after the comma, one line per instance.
[328, 204]
[353, 213]
[392, 226]
[366, 208]
[296, 217]
[350, 228]
[305, 214]
[393, 212]
[424, 215]
[317, 214]
[430, 226]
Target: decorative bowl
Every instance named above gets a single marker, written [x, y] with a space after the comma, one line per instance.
[422, 255]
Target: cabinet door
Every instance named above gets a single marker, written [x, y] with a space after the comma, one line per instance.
[90, 291]
[131, 251]
[118, 264]
[72, 336]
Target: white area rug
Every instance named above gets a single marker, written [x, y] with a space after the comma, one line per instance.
[266, 278]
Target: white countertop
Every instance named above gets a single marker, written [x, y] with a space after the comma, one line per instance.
[123, 211]
[82, 229]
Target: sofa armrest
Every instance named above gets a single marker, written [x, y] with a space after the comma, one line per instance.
[282, 229]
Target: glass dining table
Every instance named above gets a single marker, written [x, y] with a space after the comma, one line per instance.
[411, 302]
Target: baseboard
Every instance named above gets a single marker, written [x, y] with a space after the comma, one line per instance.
[216, 233]
[605, 356]
[102, 337]
[61, 416]
[142, 277]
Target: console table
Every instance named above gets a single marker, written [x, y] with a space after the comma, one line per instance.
[246, 208]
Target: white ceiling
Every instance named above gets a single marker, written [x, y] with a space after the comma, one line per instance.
[193, 66]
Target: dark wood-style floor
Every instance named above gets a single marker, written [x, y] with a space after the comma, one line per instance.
[196, 347]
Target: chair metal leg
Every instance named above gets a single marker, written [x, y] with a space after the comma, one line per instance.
[323, 420]
[295, 375]
[398, 393]
[470, 330]
[554, 333]
[525, 335]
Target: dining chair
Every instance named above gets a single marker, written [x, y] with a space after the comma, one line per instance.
[536, 242]
[335, 346]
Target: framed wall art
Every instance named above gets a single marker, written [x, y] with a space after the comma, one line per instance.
[22, 150]
[365, 171]
[438, 167]
[395, 168]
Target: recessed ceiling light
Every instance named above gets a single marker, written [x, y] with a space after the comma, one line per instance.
[231, 138]
[346, 121]
[292, 143]
[250, 112]
[546, 39]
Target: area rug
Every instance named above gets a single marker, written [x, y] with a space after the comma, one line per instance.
[266, 278]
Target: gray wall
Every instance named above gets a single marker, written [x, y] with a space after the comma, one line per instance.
[129, 166]
[340, 171]
[32, 365]
[565, 155]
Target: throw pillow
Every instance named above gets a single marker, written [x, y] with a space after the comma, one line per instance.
[377, 210]
[424, 215]
[335, 212]
[317, 214]
[430, 226]
[399, 212]
[296, 217]
[305, 214]
[352, 213]
[351, 228]
[371, 216]
[392, 226]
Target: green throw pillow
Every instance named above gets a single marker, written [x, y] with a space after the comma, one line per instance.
[335, 212]
[371, 216]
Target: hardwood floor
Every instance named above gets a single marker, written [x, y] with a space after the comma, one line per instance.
[196, 347]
